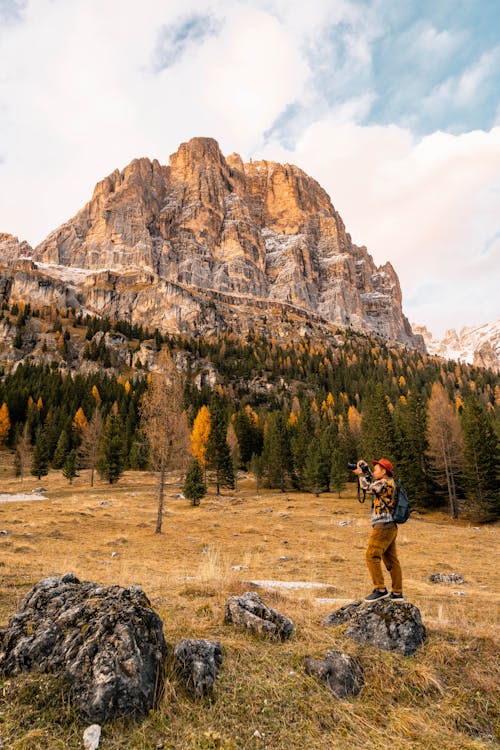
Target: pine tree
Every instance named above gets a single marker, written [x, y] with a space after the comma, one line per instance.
[61, 451]
[313, 474]
[481, 460]
[377, 430]
[40, 464]
[194, 485]
[110, 462]
[276, 454]
[4, 423]
[70, 468]
[218, 453]
[300, 438]
[340, 458]
[257, 469]
[410, 419]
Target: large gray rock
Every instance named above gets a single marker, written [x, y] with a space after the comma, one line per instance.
[341, 673]
[391, 626]
[198, 662]
[250, 611]
[107, 641]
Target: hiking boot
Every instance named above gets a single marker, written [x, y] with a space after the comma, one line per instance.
[396, 597]
[376, 595]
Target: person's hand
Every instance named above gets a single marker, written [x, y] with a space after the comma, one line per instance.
[357, 471]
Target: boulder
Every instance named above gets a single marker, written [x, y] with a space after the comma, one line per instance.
[342, 615]
[250, 611]
[391, 626]
[198, 663]
[106, 641]
[341, 673]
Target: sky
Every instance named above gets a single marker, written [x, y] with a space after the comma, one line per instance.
[393, 106]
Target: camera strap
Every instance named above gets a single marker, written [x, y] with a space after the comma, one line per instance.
[361, 497]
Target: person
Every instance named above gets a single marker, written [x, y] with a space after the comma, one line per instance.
[382, 541]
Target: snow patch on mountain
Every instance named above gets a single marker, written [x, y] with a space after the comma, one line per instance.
[477, 345]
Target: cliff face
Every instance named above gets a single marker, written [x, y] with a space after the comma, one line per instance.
[163, 245]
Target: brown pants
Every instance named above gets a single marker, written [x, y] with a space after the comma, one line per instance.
[382, 545]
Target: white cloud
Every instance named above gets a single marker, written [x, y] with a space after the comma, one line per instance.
[81, 93]
[429, 206]
[83, 98]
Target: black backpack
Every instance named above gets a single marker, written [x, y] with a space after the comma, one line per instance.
[401, 512]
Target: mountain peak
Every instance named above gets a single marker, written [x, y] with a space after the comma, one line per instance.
[260, 236]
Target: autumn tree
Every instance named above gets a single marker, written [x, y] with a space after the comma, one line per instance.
[89, 447]
[40, 462]
[80, 420]
[445, 444]
[164, 423]
[234, 449]
[200, 435]
[4, 423]
[23, 453]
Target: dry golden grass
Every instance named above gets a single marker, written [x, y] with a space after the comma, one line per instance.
[444, 697]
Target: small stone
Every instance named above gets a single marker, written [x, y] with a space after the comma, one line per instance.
[91, 737]
[198, 662]
[446, 578]
[341, 673]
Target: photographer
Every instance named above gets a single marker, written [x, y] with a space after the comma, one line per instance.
[382, 541]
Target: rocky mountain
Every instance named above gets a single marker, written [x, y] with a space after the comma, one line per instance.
[205, 243]
[478, 345]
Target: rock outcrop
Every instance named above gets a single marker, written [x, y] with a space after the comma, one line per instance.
[341, 673]
[391, 626]
[207, 240]
[250, 612]
[106, 641]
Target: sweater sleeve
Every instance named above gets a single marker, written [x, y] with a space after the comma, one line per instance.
[375, 486]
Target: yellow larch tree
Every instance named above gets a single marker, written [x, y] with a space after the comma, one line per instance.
[80, 420]
[4, 423]
[200, 435]
[96, 395]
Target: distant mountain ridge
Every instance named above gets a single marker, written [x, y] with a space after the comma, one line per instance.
[477, 345]
[205, 243]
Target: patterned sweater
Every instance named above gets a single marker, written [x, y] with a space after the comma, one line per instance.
[383, 497]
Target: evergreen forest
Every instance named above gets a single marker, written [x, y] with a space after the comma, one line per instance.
[293, 412]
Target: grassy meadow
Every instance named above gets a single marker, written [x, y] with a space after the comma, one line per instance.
[445, 697]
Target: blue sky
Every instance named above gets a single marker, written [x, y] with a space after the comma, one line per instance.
[393, 106]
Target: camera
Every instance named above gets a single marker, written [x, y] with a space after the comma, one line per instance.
[362, 465]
